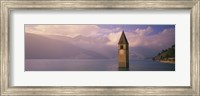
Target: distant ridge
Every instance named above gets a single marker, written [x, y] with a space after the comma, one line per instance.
[41, 47]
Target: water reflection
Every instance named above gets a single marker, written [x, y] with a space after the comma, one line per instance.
[123, 69]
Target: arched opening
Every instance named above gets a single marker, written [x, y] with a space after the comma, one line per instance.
[121, 46]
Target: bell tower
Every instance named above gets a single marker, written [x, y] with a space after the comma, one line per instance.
[123, 52]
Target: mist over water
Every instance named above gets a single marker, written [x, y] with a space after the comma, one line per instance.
[94, 65]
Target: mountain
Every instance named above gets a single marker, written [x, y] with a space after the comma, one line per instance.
[79, 47]
[96, 44]
[41, 47]
[166, 55]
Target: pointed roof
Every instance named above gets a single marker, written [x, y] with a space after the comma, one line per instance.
[123, 39]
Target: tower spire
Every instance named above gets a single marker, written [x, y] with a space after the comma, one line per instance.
[123, 39]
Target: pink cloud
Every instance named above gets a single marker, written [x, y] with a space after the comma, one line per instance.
[113, 38]
[64, 30]
[142, 32]
[162, 40]
[140, 37]
[137, 37]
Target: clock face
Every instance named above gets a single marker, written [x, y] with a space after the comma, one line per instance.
[121, 51]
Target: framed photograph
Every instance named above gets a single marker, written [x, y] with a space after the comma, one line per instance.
[83, 47]
[68, 48]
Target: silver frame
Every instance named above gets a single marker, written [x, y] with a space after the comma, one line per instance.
[6, 6]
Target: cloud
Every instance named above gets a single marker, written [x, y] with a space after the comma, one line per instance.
[132, 36]
[137, 37]
[161, 40]
[70, 30]
[64, 30]
[141, 37]
[143, 32]
[113, 38]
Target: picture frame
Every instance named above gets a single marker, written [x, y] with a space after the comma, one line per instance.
[6, 6]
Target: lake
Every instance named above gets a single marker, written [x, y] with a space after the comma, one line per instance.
[94, 65]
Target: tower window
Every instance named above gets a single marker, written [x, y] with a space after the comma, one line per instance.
[121, 46]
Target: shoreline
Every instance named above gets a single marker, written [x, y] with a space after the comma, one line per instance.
[168, 62]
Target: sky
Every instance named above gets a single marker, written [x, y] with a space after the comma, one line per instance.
[140, 37]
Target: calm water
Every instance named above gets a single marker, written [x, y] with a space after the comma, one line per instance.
[93, 65]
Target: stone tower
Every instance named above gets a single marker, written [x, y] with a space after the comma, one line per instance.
[123, 52]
